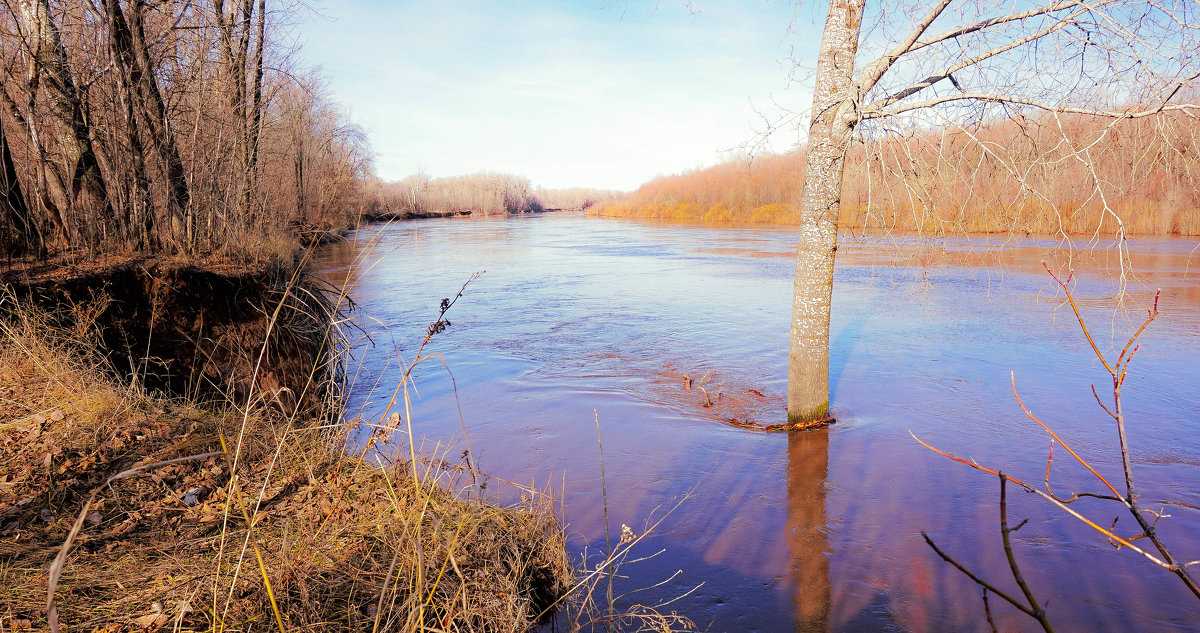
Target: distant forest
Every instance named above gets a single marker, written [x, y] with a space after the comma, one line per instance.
[1073, 176]
[484, 193]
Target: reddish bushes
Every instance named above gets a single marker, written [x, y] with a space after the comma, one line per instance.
[1076, 175]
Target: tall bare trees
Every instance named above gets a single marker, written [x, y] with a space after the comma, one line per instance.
[239, 25]
[955, 63]
[149, 125]
[79, 190]
[484, 193]
[18, 234]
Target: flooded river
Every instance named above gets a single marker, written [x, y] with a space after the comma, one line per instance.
[580, 320]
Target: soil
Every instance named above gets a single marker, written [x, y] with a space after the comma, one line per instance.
[193, 328]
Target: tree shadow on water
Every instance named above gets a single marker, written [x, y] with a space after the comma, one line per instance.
[808, 543]
[848, 336]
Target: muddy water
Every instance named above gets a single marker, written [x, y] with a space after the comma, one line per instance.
[580, 320]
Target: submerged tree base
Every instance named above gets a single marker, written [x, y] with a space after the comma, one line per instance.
[787, 426]
[817, 416]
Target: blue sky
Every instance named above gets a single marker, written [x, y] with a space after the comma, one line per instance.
[589, 93]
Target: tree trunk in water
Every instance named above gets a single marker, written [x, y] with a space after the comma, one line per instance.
[833, 119]
[18, 234]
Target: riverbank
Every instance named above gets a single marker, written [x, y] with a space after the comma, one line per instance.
[240, 334]
[217, 518]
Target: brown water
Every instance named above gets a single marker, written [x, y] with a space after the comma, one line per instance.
[579, 319]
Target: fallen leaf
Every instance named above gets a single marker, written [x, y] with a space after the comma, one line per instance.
[151, 620]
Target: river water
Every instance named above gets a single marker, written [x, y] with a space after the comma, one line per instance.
[581, 323]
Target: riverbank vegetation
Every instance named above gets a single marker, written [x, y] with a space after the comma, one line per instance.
[484, 193]
[575, 198]
[1073, 175]
[171, 451]
[155, 514]
[186, 129]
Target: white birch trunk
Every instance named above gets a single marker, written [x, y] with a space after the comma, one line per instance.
[829, 134]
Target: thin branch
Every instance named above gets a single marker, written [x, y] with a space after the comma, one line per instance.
[1062, 506]
[875, 71]
[1190, 108]
[979, 581]
[1031, 416]
[958, 32]
[1102, 405]
[1078, 317]
[1151, 315]
[1036, 610]
[972, 61]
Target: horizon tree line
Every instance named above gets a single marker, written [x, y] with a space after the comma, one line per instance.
[957, 180]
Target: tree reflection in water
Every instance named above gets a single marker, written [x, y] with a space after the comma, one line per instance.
[808, 462]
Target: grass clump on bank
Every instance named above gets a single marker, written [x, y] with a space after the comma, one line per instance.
[194, 544]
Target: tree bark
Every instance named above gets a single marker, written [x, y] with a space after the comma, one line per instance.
[234, 31]
[298, 164]
[19, 235]
[250, 173]
[141, 203]
[142, 71]
[834, 116]
[49, 61]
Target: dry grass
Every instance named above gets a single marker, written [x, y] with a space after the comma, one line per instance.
[344, 543]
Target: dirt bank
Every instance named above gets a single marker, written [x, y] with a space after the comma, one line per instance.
[195, 329]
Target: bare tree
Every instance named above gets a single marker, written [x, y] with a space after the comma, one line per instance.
[962, 61]
[168, 126]
[18, 233]
[243, 72]
[128, 41]
[50, 72]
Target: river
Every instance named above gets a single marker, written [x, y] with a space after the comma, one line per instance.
[583, 327]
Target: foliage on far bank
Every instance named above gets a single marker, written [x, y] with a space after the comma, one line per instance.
[484, 193]
[266, 521]
[1141, 176]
